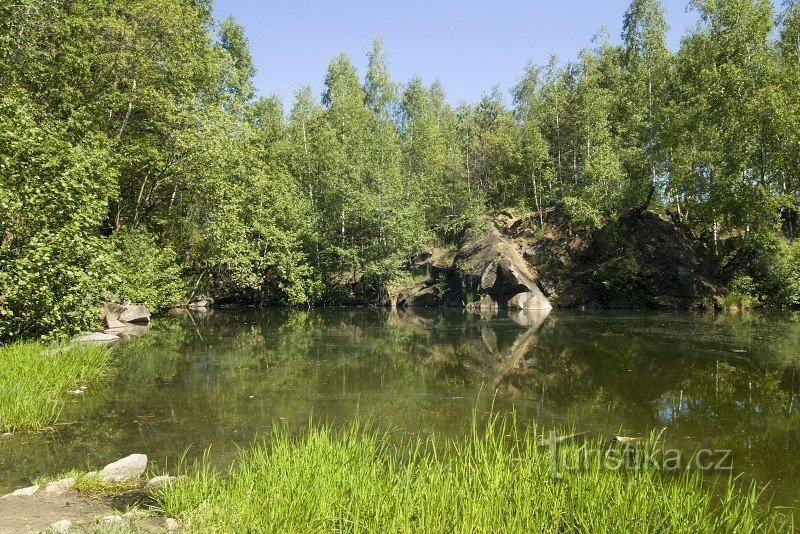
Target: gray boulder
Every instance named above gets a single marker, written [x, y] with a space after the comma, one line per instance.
[128, 468]
[59, 487]
[135, 313]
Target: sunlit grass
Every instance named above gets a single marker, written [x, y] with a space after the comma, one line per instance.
[498, 480]
[35, 378]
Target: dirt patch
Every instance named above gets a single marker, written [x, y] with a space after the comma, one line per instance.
[36, 513]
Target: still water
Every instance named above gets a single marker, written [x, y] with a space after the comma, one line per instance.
[222, 379]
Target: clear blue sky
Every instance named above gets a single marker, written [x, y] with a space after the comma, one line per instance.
[469, 45]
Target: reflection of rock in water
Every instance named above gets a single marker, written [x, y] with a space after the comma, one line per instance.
[486, 354]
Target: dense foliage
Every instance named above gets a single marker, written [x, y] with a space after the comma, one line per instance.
[139, 118]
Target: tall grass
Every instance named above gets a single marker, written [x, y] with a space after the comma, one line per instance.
[356, 480]
[34, 379]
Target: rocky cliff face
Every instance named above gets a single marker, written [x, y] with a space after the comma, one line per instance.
[645, 260]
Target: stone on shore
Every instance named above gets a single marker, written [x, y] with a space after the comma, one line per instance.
[530, 300]
[128, 468]
[113, 322]
[61, 526]
[59, 487]
[22, 492]
[135, 313]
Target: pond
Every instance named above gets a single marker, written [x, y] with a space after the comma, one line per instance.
[223, 379]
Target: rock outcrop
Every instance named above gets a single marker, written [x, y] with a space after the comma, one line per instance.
[488, 272]
[645, 260]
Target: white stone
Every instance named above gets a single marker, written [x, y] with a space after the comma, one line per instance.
[23, 492]
[59, 487]
[61, 526]
[127, 468]
[6, 435]
[171, 525]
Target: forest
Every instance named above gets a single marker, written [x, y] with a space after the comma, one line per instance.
[136, 159]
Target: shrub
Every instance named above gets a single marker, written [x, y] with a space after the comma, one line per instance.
[773, 277]
[146, 272]
[53, 199]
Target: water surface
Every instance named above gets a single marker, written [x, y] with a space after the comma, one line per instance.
[222, 379]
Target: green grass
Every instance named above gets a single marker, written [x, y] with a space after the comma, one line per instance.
[499, 480]
[34, 379]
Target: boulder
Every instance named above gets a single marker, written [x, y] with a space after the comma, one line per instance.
[59, 487]
[61, 526]
[135, 313]
[128, 468]
[485, 304]
[200, 304]
[23, 492]
[113, 322]
[530, 300]
[96, 337]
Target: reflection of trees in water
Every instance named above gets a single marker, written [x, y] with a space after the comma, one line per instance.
[600, 372]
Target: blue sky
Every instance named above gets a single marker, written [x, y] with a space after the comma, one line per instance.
[469, 45]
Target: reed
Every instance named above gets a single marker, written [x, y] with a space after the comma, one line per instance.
[497, 480]
[34, 380]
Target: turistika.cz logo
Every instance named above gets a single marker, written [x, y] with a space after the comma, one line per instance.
[631, 454]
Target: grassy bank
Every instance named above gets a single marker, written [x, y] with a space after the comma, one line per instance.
[358, 481]
[35, 378]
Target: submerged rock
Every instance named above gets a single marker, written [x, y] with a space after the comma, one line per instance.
[128, 330]
[128, 468]
[96, 337]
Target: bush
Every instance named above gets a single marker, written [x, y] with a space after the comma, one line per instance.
[146, 272]
[773, 277]
[53, 198]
